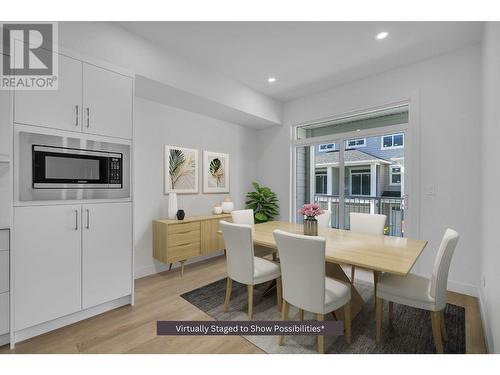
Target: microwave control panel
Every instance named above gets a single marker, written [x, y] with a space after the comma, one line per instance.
[115, 171]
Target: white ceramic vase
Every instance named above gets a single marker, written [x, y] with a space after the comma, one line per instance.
[172, 205]
[227, 207]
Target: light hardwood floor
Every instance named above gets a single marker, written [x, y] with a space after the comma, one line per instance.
[133, 329]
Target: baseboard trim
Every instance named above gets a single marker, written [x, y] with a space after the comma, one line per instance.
[39, 329]
[158, 267]
[469, 290]
[4, 339]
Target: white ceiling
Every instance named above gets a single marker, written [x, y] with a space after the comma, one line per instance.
[305, 57]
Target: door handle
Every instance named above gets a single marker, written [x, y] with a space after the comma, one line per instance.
[76, 219]
[76, 115]
[88, 219]
[88, 117]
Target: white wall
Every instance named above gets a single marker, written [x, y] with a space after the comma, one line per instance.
[449, 88]
[490, 295]
[157, 125]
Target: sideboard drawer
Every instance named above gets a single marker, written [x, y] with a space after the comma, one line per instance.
[183, 227]
[183, 238]
[183, 252]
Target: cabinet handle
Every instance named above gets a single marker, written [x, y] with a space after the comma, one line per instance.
[76, 115]
[76, 219]
[88, 219]
[88, 117]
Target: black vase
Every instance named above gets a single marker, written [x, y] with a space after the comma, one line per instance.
[180, 214]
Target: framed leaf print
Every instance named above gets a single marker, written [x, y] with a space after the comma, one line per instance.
[215, 172]
[181, 170]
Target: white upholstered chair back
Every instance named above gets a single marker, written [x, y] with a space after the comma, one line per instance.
[324, 220]
[442, 263]
[243, 217]
[302, 261]
[367, 223]
[239, 251]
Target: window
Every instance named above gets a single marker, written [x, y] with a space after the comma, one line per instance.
[321, 183]
[395, 175]
[393, 141]
[327, 147]
[353, 143]
[360, 182]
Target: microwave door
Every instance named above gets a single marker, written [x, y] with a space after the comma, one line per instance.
[64, 168]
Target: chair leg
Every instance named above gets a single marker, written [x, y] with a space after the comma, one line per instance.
[378, 319]
[353, 270]
[376, 275]
[301, 314]
[436, 330]
[229, 288]
[279, 293]
[321, 338]
[391, 310]
[347, 322]
[444, 335]
[284, 317]
[250, 302]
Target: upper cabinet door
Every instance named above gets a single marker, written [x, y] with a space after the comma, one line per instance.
[61, 108]
[107, 252]
[107, 102]
[47, 267]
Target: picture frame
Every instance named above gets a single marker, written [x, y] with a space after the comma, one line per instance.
[181, 167]
[216, 172]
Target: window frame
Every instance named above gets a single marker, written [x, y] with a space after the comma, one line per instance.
[347, 147]
[351, 170]
[326, 144]
[382, 147]
[391, 173]
[322, 176]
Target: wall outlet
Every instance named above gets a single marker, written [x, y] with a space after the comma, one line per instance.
[430, 189]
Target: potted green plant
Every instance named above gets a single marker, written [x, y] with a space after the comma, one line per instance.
[264, 203]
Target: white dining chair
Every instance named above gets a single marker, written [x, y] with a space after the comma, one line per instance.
[420, 292]
[324, 219]
[243, 266]
[243, 217]
[304, 283]
[247, 217]
[368, 224]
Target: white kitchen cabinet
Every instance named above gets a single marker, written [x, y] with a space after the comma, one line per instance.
[4, 271]
[106, 252]
[47, 272]
[4, 124]
[107, 102]
[4, 313]
[61, 108]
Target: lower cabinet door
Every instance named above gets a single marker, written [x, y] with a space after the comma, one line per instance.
[47, 259]
[107, 252]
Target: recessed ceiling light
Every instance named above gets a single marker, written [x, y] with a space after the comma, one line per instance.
[382, 35]
[271, 80]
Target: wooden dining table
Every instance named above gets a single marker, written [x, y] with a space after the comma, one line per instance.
[380, 253]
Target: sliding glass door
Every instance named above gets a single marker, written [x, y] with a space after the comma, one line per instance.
[356, 165]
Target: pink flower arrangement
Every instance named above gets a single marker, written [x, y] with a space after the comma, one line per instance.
[311, 210]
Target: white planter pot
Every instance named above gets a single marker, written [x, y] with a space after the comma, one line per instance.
[172, 205]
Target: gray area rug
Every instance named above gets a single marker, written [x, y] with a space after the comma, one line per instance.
[409, 333]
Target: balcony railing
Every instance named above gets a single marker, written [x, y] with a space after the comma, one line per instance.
[389, 206]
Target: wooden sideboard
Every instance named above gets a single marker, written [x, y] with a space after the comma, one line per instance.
[179, 240]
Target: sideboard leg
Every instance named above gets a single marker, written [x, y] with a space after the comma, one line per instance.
[170, 267]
